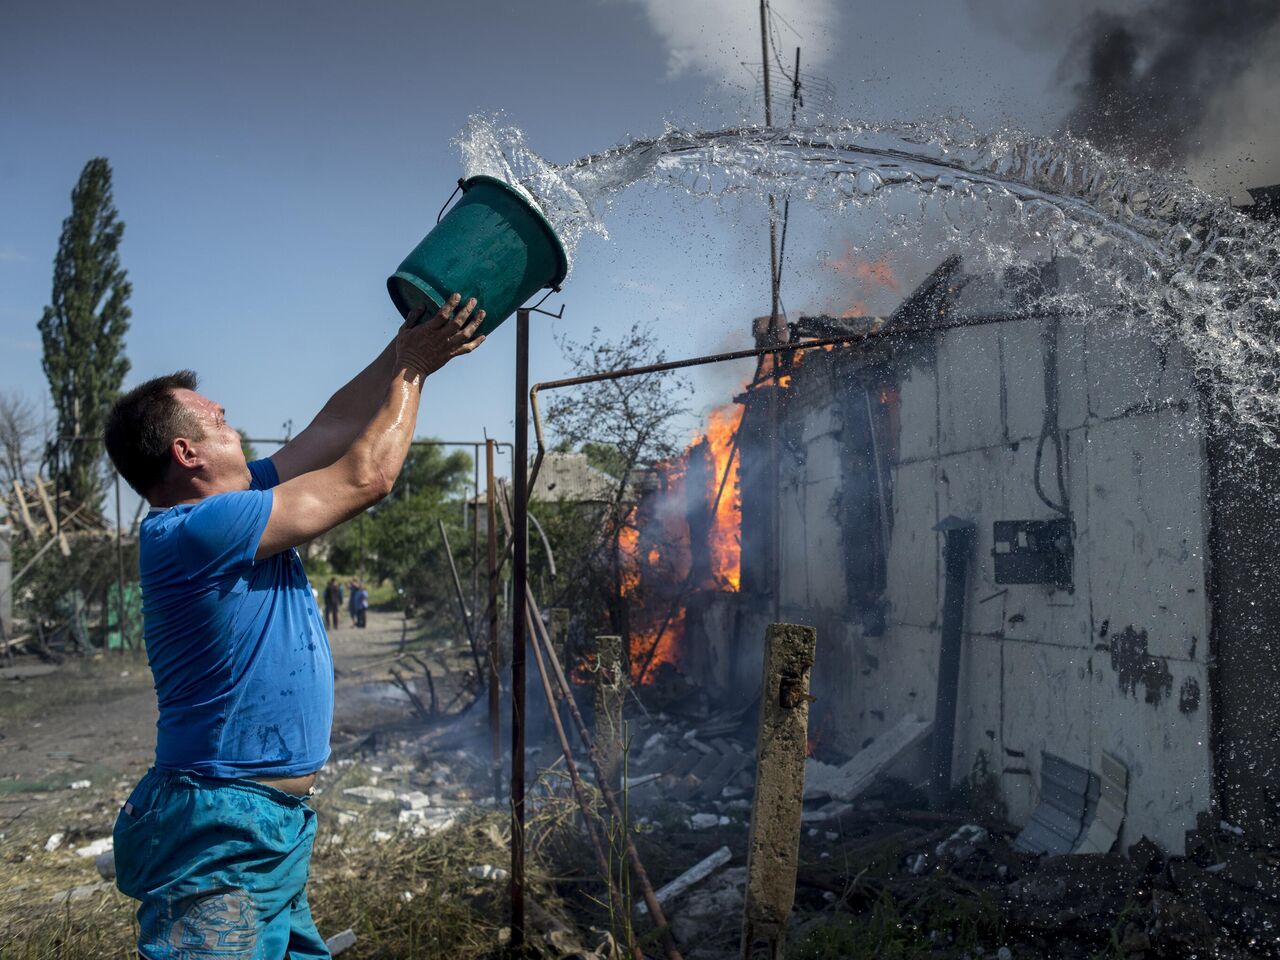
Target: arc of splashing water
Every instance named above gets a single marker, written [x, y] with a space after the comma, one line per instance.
[610, 171]
[1170, 252]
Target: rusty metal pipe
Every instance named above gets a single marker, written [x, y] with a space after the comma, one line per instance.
[475, 529]
[606, 790]
[849, 339]
[462, 603]
[520, 540]
[495, 652]
[579, 789]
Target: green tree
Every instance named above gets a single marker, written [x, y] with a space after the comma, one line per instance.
[399, 539]
[431, 468]
[18, 432]
[622, 426]
[83, 330]
[250, 451]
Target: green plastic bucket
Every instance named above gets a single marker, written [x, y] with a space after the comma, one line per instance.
[493, 245]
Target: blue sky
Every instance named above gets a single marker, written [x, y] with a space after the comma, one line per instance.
[274, 161]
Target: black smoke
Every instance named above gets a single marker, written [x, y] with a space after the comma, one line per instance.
[1147, 80]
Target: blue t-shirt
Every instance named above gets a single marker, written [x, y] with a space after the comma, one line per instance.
[241, 662]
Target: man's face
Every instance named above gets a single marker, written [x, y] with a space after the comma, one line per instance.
[218, 453]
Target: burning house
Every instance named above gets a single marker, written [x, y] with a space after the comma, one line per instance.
[1112, 600]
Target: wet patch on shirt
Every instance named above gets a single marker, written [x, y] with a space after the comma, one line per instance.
[271, 745]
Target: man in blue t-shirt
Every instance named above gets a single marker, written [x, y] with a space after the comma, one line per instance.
[215, 841]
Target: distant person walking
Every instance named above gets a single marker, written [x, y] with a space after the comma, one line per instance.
[362, 606]
[332, 603]
[354, 588]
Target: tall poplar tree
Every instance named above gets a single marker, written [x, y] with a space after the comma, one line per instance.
[83, 331]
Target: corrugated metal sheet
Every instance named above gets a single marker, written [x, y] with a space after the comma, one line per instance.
[1068, 796]
[1104, 827]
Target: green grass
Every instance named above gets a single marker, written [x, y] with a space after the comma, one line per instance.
[892, 931]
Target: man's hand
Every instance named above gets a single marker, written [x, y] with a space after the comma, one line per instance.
[424, 348]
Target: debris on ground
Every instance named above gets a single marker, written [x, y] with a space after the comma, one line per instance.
[852, 779]
[340, 942]
[690, 878]
[105, 864]
[97, 848]
[82, 892]
[370, 795]
[408, 819]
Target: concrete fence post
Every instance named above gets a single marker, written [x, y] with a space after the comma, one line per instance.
[609, 693]
[773, 847]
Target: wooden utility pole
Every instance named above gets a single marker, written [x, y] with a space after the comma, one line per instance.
[795, 88]
[774, 338]
[773, 203]
[764, 60]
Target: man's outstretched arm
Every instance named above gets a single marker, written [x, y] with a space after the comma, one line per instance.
[340, 420]
[307, 505]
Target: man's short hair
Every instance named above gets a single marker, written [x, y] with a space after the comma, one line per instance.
[144, 423]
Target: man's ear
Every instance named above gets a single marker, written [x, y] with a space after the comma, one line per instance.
[184, 453]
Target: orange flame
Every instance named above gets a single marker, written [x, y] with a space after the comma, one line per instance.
[628, 544]
[875, 273]
[868, 274]
[726, 524]
[658, 624]
[666, 652]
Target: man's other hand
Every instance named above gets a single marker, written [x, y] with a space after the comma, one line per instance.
[426, 347]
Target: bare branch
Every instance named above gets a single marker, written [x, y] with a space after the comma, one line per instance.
[19, 432]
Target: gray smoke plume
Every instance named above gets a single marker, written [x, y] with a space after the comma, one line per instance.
[1147, 79]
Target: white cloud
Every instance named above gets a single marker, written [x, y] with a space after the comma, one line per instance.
[716, 37]
[12, 255]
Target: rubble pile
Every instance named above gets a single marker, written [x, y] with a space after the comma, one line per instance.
[404, 784]
[881, 872]
[882, 877]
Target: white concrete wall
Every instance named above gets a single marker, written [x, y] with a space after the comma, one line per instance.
[1037, 671]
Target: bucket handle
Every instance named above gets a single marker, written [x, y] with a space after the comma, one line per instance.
[550, 291]
[440, 215]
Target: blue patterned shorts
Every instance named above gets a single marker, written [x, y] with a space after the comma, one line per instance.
[220, 867]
